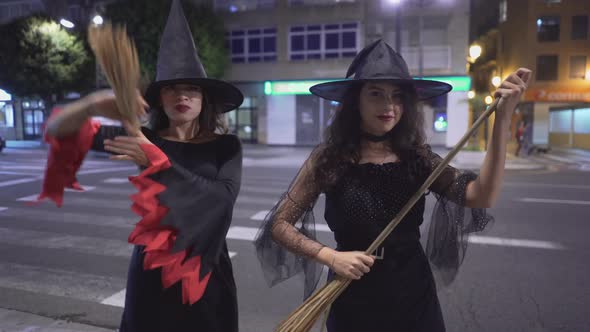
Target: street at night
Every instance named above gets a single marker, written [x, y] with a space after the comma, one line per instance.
[528, 272]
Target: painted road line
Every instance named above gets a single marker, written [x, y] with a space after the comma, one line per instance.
[19, 181]
[507, 242]
[242, 233]
[118, 299]
[260, 215]
[553, 201]
[116, 180]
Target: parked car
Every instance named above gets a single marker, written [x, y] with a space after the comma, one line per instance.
[104, 122]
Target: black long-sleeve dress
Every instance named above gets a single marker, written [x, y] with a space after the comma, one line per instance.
[180, 275]
[399, 293]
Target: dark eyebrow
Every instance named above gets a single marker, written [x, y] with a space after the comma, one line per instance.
[374, 87]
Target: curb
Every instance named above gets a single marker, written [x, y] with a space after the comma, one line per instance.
[14, 320]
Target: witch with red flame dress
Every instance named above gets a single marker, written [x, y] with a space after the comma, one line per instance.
[180, 276]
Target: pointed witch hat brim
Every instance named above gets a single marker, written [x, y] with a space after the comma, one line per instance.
[179, 63]
[378, 62]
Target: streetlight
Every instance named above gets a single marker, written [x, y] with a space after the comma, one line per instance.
[471, 94]
[496, 81]
[66, 24]
[474, 52]
[398, 24]
[98, 20]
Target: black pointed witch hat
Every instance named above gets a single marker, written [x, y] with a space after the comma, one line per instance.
[379, 62]
[179, 63]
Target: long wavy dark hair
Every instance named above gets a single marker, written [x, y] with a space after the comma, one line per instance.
[342, 139]
[211, 119]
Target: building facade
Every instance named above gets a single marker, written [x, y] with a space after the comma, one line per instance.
[552, 37]
[280, 48]
[21, 117]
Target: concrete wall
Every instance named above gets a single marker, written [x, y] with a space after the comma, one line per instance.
[457, 117]
[281, 120]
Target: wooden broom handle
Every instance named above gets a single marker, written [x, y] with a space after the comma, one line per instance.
[433, 176]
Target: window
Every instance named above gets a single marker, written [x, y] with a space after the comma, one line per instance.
[582, 121]
[579, 27]
[560, 121]
[6, 114]
[242, 5]
[33, 118]
[578, 67]
[503, 11]
[252, 45]
[3, 13]
[547, 67]
[12, 11]
[75, 13]
[325, 41]
[548, 28]
[318, 2]
[242, 121]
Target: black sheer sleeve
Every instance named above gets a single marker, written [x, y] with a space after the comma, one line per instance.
[452, 222]
[286, 243]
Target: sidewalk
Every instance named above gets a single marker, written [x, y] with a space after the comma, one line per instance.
[293, 157]
[17, 321]
[583, 154]
[25, 144]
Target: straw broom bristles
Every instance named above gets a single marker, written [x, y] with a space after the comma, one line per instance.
[117, 56]
[305, 316]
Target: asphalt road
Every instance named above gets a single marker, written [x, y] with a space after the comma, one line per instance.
[528, 272]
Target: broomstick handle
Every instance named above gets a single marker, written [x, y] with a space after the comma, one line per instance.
[433, 176]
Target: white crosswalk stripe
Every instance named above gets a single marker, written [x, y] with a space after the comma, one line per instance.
[94, 225]
[41, 229]
[118, 299]
[58, 282]
[116, 180]
[260, 215]
[249, 234]
[33, 198]
[553, 201]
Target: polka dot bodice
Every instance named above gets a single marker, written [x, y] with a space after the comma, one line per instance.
[367, 198]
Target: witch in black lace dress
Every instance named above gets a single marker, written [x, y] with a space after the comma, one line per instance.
[399, 293]
[396, 291]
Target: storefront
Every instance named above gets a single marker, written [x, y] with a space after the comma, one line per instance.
[243, 121]
[21, 118]
[570, 127]
[7, 116]
[295, 117]
[561, 118]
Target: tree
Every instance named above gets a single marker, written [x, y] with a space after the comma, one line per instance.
[40, 58]
[145, 21]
